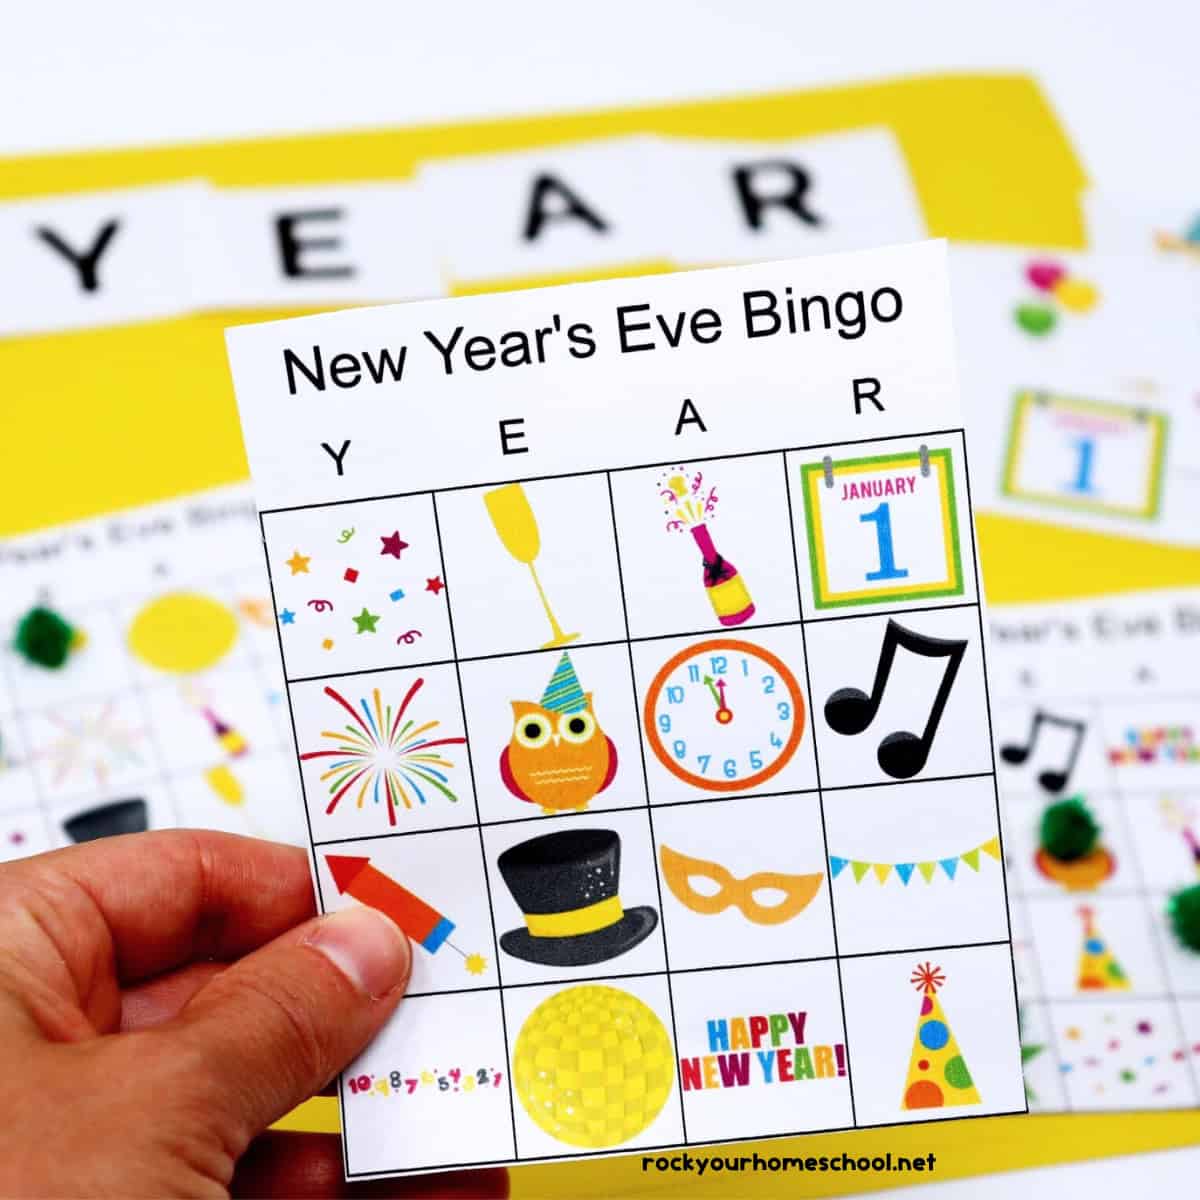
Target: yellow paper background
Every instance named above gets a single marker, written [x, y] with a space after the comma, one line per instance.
[109, 418]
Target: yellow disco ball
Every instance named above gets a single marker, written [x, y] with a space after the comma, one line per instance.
[593, 1066]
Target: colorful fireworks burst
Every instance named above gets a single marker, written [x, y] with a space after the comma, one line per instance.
[96, 740]
[393, 759]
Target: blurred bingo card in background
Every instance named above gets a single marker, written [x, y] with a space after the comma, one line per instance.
[138, 679]
[1079, 373]
[689, 593]
[1086, 454]
[1097, 724]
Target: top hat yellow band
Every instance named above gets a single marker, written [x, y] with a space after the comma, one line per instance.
[579, 920]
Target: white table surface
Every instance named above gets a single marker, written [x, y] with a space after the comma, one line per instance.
[1122, 76]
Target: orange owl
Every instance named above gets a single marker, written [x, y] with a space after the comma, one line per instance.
[558, 756]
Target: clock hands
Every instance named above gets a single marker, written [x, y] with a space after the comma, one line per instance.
[724, 713]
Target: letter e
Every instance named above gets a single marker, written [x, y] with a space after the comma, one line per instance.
[513, 434]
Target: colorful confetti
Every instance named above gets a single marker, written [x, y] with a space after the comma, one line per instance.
[687, 501]
[392, 544]
[366, 621]
[1155, 744]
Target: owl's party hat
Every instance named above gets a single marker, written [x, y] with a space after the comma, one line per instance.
[563, 693]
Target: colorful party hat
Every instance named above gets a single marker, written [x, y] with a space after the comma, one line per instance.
[1099, 971]
[563, 693]
[937, 1072]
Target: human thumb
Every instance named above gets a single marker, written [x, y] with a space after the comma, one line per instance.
[276, 1026]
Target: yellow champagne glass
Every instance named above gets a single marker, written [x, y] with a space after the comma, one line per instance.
[517, 528]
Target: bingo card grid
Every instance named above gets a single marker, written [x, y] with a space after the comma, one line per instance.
[1100, 1044]
[111, 744]
[278, 545]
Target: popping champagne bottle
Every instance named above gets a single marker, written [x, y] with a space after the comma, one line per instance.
[726, 588]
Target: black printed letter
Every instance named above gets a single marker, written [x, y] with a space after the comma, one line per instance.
[291, 246]
[866, 388]
[689, 414]
[790, 197]
[337, 455]
[85, 262]
[512, 435]
[570, 208]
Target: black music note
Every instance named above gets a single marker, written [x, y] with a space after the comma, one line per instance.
[1017, 753]
[849, 710]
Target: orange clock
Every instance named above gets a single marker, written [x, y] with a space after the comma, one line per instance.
[724, 715]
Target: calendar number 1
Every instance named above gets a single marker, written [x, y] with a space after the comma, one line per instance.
[882, 519]
[1086, 451]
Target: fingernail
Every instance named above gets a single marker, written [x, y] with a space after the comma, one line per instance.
[368, 948]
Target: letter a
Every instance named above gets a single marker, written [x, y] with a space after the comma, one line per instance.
[571, 207]
[689, 414]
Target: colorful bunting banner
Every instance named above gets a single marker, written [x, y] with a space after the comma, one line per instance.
[859, 869]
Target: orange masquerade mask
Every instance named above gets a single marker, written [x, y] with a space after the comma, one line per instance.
[798, 890]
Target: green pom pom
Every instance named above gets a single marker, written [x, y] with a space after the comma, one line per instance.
[1183, 911]
[1069, 831]
[43, 637]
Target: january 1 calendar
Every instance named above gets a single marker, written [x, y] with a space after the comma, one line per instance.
[633, 645]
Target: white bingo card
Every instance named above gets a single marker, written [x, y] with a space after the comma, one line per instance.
[634, 658]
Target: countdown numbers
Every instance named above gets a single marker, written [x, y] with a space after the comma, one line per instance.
[1085, 454]
[400, 1083]
[882, 528]
[724, 715]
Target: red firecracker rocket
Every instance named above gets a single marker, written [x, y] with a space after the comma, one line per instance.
[422, 922]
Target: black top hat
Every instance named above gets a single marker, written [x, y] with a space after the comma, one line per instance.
[108, 820]
[566, 885]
